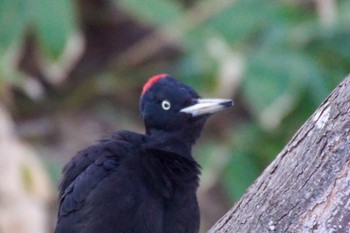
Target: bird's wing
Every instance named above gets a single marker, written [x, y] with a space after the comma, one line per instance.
[84, 172]
[88, 169]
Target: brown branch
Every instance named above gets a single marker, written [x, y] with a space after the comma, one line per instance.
[306, 188]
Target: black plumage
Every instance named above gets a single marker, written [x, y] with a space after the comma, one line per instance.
[135, 183]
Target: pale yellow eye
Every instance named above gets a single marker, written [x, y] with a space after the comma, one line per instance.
[166, 105]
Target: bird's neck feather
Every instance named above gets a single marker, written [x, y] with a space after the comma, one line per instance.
[179, 142]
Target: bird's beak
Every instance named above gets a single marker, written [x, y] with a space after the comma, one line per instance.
[207, 106]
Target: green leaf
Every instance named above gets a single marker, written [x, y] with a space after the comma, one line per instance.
[12, 20]
[159, 12]
[273, 73]
[245, 18]
[241, 172]
[54, 21]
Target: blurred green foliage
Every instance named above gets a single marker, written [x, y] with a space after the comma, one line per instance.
[291, 61]
[52, 21]
[292, 64]
[154, 11]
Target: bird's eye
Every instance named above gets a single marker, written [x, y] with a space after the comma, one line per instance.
[166, 105]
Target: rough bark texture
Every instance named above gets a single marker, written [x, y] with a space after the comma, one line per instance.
[307, 187]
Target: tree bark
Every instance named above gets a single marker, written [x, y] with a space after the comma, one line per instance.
[307, 187]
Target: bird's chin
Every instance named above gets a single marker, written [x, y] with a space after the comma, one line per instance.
[199, 121]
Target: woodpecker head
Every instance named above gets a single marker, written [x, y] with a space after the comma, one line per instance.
[169, 105]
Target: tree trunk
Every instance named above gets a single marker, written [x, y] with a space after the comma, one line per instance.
[307, 187]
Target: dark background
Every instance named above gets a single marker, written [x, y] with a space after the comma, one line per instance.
[71, 72]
